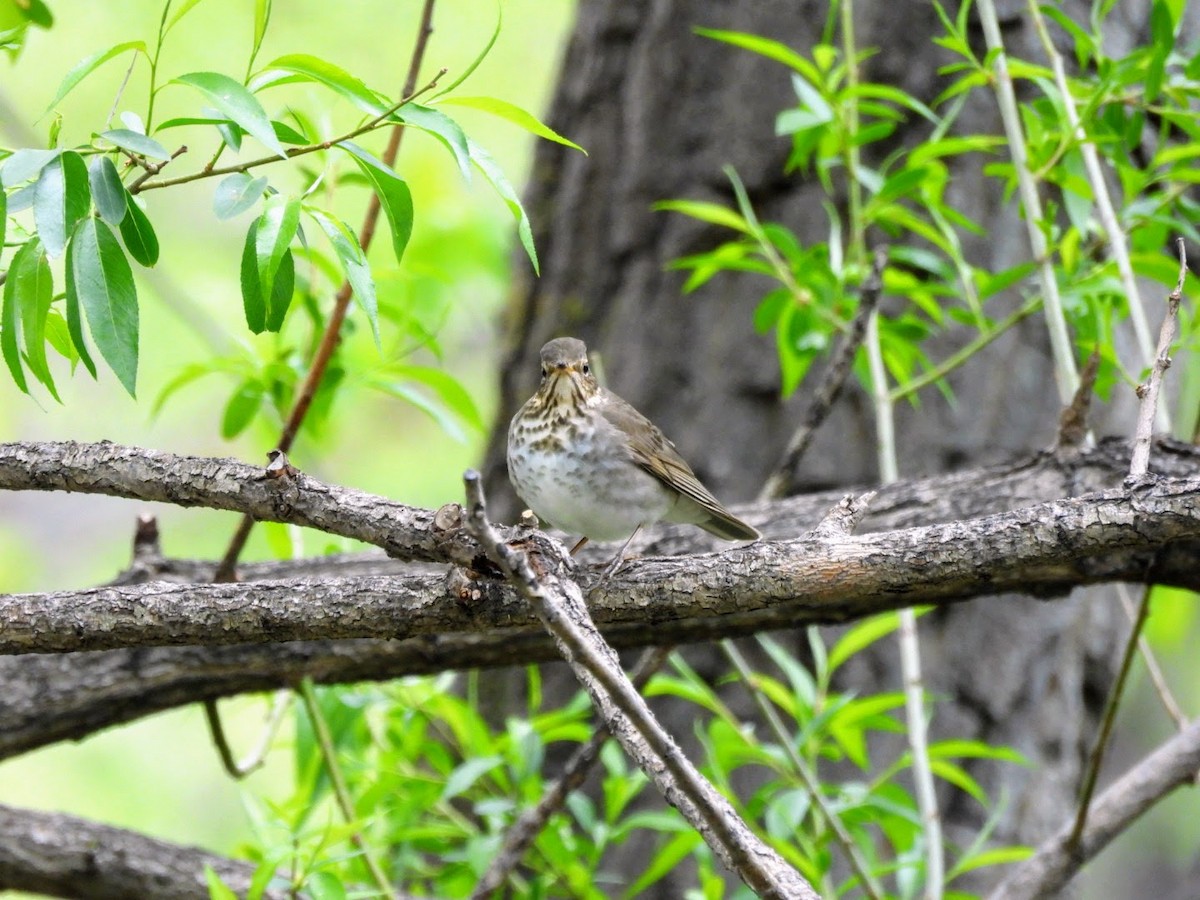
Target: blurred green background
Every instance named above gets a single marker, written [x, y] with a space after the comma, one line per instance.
[162, 774]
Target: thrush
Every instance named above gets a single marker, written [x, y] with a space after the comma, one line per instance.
[588, 463]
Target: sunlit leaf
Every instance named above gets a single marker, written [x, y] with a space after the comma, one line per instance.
[442, 127]
[499, 181]
[10, 315]
[185, 7]
[311, 68]
[276, 230]
[234, 101]
[60, 199]
[89, 64]
[241, 408]
[108, 193]
[393, 195]
[74, 315]
[354, 265]
[23, 165]
[237, 193]
[712, 213]
[512, 113]
[137, 143]
[138, 233]
[103, 281]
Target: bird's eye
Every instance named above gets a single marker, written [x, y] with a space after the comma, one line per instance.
[586, 368]
[543, 371]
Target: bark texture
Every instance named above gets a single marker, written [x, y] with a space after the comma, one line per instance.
[660, 110]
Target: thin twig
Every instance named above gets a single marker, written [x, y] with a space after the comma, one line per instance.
[832, 381]
[1060, 340]
[558, 603]
[257, 756]
[333, 328]
[292, 152]
[1139, 466]
[1117, 243]
[522, 833]
[1047, 872]
[341, 791]
[1157, 677]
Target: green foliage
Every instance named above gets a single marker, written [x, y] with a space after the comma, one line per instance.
[102, 183]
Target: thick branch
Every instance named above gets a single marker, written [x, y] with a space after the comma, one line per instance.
[63, 856]
[1136, 535]
[49, 698]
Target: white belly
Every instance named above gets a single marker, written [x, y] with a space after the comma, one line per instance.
[581, 492]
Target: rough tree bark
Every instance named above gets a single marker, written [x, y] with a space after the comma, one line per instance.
[660, 110]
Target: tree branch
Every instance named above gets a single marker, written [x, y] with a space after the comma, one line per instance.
[63, 856]
[49, 698]
[1142, 534]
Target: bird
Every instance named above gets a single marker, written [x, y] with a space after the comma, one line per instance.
[586, 462]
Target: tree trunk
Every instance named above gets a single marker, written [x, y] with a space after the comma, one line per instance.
[660, 110]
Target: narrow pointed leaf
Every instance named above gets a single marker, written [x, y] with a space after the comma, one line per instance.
[281, 292]
[519, 117]
[138, 233]
[104, 284]
[74, 317]
[252, 298]
[237, 193]
[10, 316]
[108, 193]
[487, 48]
[184, 8]
[310, 68]
[60, 199]
[499, 181]
[240, 410]
[276, 231]
[24, 164]
[134, 142]
[354, 264]
[34, 288]
[89, 64]
[393, 195]
[233, 100]
[3, 216]
[442, 127]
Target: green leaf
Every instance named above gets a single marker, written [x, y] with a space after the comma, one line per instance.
[24, 164]
[862, 636]
[138, 233]
[467, 773]
[781, 53]
[138, 143]
[262, 18]
[354, 264]
[108, 193]
[60, 199]
[3, 217]
[74, 318]
[310, 68]
[59, 337]
[276, 230]
[281, 292]
[713, 213]
[104, 283]
[89, 64]
[237, 193]
[519, 117]
[499, 181]
[392, 192]
[241, 408]
[217, 890]
[234, 101]
[325, 886]
[185, 7]
[253, 302]
[34, 289]
[451, 397]
[442, 127]
[10, 315]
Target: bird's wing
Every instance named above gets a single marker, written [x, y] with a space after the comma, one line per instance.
[654, 452]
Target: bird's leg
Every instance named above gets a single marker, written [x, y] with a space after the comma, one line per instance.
[579, 545]
[615, 564]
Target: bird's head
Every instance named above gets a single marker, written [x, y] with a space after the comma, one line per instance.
[566, 374]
